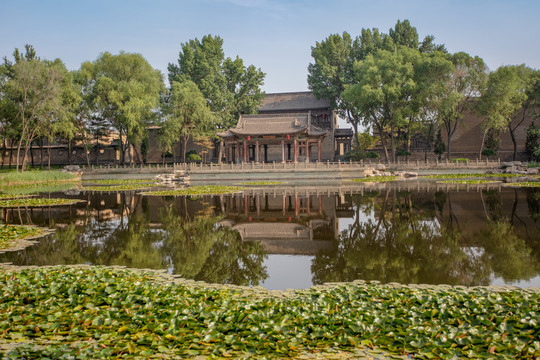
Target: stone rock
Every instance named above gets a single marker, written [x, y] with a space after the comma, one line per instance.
[532, 171]
[72, 168]
[511, 164]
[410, 174]
[368, 172]
[380, 167]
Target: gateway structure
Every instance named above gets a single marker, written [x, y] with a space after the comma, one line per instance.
[290, 127]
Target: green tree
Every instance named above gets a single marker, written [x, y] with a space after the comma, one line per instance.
[34, 94]
[229, 87]
[509, 98]
[465, 83]
[125, 92]
[383, 90]
[187, 116]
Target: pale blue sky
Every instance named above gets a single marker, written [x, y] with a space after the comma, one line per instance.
[274, 35]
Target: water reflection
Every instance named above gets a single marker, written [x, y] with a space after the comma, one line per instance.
[410, 235]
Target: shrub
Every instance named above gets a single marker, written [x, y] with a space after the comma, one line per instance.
[402, 153]
[489, 152]
[193, 157]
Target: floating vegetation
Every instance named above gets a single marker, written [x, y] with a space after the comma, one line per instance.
[89, 312]
[524, 184]
[14, 196]
[257, 183]
[29, 189]
[119, 187]
[377, 179]
[36, 202]
[197, 190]
[10, 233]
[472, 176]
[469, 182]
[118, 181]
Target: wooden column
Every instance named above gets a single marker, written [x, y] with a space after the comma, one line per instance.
[220, 153]
[282, 151]
[295, 150]
[257, 152]
[307, 150]
[245, 151]
[319, 142]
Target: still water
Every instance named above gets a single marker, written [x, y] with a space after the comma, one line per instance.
[282, 238]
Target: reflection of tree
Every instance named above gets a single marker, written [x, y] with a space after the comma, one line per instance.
[406, 244]
[195, 248]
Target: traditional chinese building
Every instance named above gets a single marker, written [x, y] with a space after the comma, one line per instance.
[290, 127]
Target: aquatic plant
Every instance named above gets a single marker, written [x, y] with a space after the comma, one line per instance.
[94, 312]
[377, 179]
[119, 187]
[11, 233]
[36, 202]
[197, 190]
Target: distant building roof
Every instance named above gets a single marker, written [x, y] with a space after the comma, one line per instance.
[292, 101]
[273, 124]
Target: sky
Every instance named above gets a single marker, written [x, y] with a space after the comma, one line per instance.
[274, 35]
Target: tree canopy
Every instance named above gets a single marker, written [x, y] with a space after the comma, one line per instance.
[125, 91]
[229, 87]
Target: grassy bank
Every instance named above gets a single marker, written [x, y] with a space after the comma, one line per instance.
[90, 312]
[36, 177]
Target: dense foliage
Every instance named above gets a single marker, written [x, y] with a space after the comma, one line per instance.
[10, 233]
[98, 312]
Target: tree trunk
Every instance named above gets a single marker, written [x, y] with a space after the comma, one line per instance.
[392, 143]
[482, 144]
[10, 153]
[513, 137]
[4, 152]
[19, 155]
[121, 150]
[41, 153]
[69, 153]
[48, 155]
[184, 145]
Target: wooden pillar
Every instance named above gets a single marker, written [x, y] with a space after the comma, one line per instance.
[282, 151]
[245, 151]
[257, 152]
[220, 153]
[307, 150]
[319, 149]
[295, 150]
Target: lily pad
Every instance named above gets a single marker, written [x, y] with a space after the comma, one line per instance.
[37, 202]
[377, 179]
[119, 187]
[197, 190]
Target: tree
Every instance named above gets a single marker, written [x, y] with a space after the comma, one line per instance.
[187, 116]
[509, 97]
[465, 83]
[332, 70]
[34, 96]
[383, 91]
[229, 87]
[125, 91]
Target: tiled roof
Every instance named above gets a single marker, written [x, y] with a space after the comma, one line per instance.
[262, 124]
[293, 101]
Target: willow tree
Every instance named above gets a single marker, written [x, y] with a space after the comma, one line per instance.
[187, 116]
[125, 92]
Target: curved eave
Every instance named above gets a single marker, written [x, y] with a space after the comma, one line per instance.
[255, 133]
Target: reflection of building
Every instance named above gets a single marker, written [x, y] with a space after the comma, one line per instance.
[284, 224]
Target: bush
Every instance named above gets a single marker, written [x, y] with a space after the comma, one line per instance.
[403, 153]
[192, 157]
[489, 152]
[358, 154]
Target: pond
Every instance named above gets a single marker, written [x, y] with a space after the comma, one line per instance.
[294, 237]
